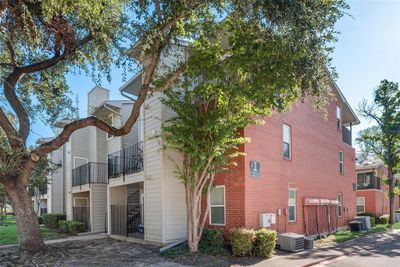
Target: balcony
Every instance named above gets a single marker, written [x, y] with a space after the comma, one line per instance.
[90, 173]
[368, 181]
[346, 135]
[126, 161]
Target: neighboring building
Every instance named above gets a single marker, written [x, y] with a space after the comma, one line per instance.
[371, 191]
[299, 170]
[39, 202]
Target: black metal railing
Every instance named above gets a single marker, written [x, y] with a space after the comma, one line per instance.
[373, 183]
[346, 135]
[126, 161]
[82, 214]
[90, 173]
[127, 220]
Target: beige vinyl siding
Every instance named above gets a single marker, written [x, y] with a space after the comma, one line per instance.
[175, 226]
[98, 207]
[68, 180]
[97, 96]
[132, 137]
[55, 203]
[153, 204]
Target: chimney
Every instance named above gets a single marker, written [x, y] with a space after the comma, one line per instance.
[96, 96]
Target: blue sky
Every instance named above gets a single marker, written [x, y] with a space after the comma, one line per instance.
[368, 51]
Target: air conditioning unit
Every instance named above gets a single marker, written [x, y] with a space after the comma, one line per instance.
[291, 242]
[365, 222]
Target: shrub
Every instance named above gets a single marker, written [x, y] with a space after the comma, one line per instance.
[76, 227]
[373, 221]
[212, 242]
[242, 241]
[51, 219]
[384, 219]
[63, 226]
[40, 220]
[72, 227]
[264, 245]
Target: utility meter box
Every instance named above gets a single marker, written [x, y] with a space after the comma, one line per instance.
[266, 219]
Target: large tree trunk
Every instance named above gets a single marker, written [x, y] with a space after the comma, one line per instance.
[28, 229]
[391, 194]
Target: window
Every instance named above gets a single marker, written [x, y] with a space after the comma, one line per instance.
[340, 204]
[292, 205]
[338, 117]
[287, 147]
[360, 204]
[217, 205]
[340, 162]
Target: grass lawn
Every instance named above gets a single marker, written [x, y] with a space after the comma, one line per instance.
[342, 236]
[8, 232]
[396, 225]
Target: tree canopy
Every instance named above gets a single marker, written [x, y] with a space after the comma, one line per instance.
[383, 139]
[259, 59]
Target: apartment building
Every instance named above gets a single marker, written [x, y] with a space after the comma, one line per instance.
[297, 175]
[371, 191]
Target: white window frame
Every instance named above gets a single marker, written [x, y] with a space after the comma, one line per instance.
[338, 117]
[82, 158]
[340, 205]
[363, 198]
[341, 162]
[86, 198]
[224, 206]
[290, 140]
[295, 203]
[111, 124]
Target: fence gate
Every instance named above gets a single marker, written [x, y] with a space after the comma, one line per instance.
[82, 214]
[320, 216]
[127, 220]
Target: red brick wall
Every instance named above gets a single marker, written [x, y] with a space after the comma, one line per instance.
[234, 194]
[313, 169]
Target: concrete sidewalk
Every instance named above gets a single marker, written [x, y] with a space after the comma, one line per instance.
[320, 256]
[80, 237]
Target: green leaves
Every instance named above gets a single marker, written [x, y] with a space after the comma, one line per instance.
[260, 57]
[383, 139]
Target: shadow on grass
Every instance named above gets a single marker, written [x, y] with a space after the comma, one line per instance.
[9, 236]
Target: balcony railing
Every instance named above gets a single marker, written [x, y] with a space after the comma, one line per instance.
[346, 135]
[90, 173]
[374, 183]
[126, 161]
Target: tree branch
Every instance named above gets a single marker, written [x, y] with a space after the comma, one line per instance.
[12, 136]
[93, 121]
[158, 8]
[3, 7]
[171, 79]
[12, 98]
[45, 64]
[12, 53]
[367, 112]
